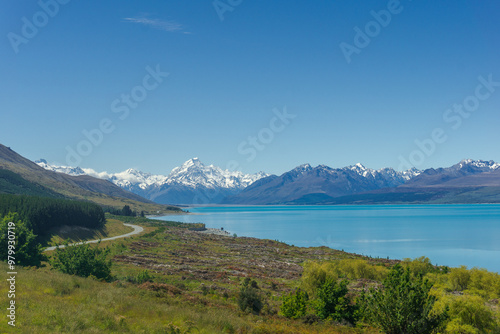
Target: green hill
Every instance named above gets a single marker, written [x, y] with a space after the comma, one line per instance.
[12, 183]
[22, 176]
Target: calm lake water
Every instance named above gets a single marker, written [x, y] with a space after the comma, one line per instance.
[449, 235]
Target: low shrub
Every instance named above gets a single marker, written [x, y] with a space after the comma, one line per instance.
[82, 260]
[294, 305]
[249, 298]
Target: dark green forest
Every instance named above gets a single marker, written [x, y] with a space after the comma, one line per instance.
[43, 214]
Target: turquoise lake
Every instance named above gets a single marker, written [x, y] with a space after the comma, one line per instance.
[449, 235]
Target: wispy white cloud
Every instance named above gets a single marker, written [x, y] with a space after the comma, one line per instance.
[170, 26]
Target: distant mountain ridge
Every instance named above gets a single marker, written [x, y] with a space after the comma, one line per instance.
[320, 184]
[469, 181]
[195, 183]
[191, 183]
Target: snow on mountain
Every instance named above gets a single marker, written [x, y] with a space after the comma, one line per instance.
[410, 173]
[196, 183]
[302, 168]
[132, 177]
[193, 174]
[75, 171]
[386, 173]
[479, 164]
[322, 184]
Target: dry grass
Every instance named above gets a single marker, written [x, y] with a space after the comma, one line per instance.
[72, 234]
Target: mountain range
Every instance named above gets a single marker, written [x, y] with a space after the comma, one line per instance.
[469, 181]
[191, 183]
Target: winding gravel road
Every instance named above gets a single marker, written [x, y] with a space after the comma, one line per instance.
[137, 230]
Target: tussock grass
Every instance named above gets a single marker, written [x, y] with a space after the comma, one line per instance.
[51, 302]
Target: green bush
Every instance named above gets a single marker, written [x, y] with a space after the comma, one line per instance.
[144, 276]
[459, 278]
[471, 311]
[294, 305]
[249, 298]
[419, 266]
[457, 327]
[484, 283]
[25, 251]
[332, 302]
[83, 260]
[359, 269]
[404, 305]
[315, 274]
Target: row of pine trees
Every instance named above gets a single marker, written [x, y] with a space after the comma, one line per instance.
[42, 213]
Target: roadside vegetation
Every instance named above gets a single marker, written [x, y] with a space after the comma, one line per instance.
[173, 279]
[71, 234]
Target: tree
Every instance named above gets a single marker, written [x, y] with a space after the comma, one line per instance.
[332, 302]
[126, 211]
[26, 250]
[249, 298]
[82, 260]
[471, 311]
[404, 304]
[294, 304]
[419, 266]
[41, 214]
[459, 278]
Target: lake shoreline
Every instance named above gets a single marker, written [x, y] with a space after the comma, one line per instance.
[450, 235]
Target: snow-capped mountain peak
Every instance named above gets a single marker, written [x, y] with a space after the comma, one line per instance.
[132, 177]
[193, 173]
[361, 170]
[303, 168]
[360, 166]
[479, 164]
[74, 171]
[193, 162]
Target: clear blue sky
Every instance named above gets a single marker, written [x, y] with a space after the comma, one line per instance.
[227, 76]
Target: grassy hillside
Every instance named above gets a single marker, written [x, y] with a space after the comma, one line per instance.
[12, 183]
